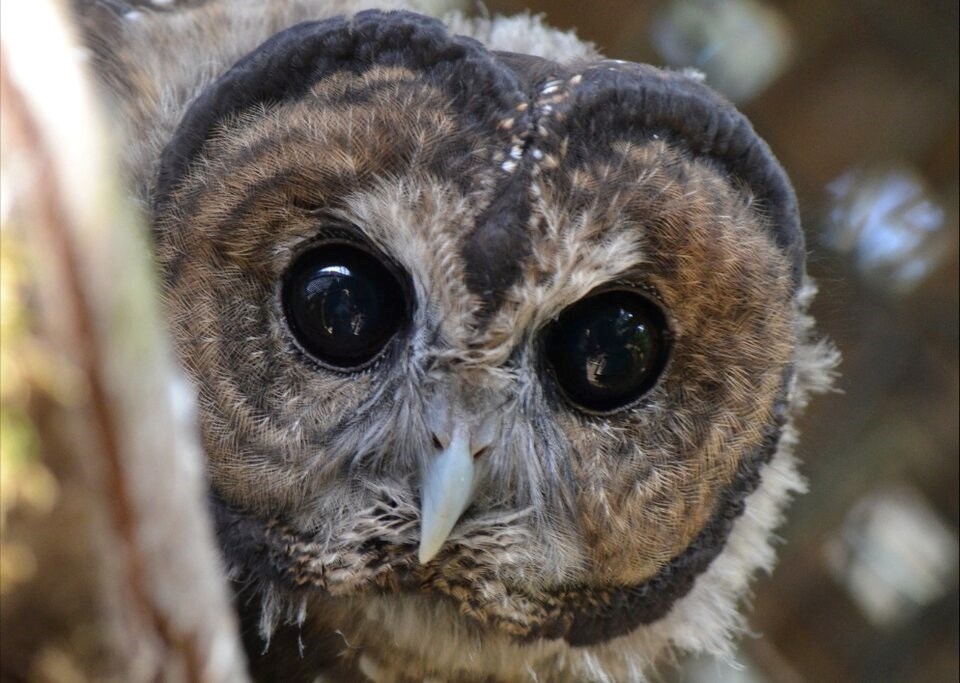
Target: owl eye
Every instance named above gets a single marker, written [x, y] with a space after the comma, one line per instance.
[607, 350]
[343, 304]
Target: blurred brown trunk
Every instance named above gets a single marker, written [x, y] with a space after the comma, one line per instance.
[108, 568]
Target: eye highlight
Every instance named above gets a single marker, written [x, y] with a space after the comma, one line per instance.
[608, 349]
[343, 304]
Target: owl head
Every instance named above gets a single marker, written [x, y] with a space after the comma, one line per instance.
[485, 342]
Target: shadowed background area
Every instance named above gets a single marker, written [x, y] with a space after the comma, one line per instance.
[859, 102]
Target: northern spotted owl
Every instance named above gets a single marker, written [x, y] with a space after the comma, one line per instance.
[497, 344]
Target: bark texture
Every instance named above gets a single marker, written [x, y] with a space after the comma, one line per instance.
[109, 570]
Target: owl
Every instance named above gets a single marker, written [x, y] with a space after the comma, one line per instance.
[497, 344]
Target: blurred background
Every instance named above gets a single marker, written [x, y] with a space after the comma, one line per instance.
[859, 100]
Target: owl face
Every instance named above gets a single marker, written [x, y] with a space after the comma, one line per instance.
[476, 326]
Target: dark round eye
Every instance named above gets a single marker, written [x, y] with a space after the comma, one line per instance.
[343, 304]
[607, 350]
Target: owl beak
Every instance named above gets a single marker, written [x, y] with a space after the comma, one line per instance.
[447, 490]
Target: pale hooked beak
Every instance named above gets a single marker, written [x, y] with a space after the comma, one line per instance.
[448, 485]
